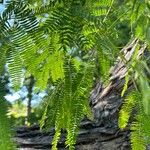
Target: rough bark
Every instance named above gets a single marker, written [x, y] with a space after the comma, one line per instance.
[105, 101]
[90, 137]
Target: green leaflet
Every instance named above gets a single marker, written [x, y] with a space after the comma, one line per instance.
[57, 65]
[125, 85]
[137, 137]
[53, 67]
[127, 108]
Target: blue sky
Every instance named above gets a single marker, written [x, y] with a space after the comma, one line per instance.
[2, 7]
[22, 94]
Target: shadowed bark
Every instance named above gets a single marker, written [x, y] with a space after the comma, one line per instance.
[105, 102]
[29, 84]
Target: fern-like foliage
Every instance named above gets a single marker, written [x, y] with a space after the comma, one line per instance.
[5, 128]
[67, 104]
[16, 37]
[23, 39]
[129, 103]
[139, 102]
[66, 27]
[140, 134]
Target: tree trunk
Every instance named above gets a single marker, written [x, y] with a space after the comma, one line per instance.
[29, 96]
[105, 101]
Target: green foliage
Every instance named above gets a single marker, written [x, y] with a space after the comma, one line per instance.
[67, 26]
[125, 85]
[66, 108]
[137, 14]
[60, 42]
[137, 137]
[139, 102]
[5, 133]
[129, 103]
[139, 17]
[47, 44]
[17, 110]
